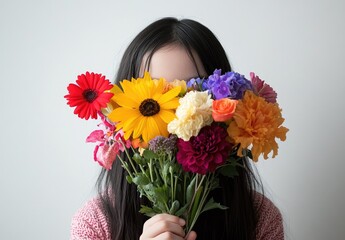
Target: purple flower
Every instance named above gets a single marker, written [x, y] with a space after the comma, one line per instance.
[217, 85]
[238, 84]
[212, 79]
[163, 145]
[221, 89]
[195, 83]
[231, 85]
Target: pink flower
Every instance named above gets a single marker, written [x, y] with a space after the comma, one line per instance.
[118, 137]
[105, 154]
[262, 89]
[109, 143]
[205, 152]
[96, 136]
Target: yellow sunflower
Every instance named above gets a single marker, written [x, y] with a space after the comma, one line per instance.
[144, 108]
[257, 123]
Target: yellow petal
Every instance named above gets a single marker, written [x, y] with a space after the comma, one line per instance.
[152, 129]
[121, 114]
[130, 122]
[130, 91]
[166, 115]
[169, 95]
[159, 87]
[138, 130]
[144, 135]
[125, 100]
[161, 125]
[128, 134]
[144, 87]
[115, 89]
[172, 104]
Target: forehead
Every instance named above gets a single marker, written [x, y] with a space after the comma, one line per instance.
[173, 62]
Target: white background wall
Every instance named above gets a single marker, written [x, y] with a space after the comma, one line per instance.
[47, 170]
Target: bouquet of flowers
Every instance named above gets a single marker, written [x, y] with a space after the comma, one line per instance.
[175, 139]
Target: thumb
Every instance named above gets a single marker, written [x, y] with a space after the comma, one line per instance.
[191, 236]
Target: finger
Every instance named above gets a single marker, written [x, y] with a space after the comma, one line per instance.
[170, 236]
[163, 227]
[164, 217]
[191, 236]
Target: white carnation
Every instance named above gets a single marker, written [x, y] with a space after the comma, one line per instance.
[194, 112]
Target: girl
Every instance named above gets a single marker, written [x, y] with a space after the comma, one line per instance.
[176, 49]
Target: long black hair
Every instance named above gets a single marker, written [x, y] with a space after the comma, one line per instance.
[121, 201]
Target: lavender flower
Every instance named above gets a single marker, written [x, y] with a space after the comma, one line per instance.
[214, 80]
[231, 85]
[196, 84]
[163, 145]
[238, 85]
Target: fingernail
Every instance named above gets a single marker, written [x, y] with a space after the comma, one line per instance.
[182, 221]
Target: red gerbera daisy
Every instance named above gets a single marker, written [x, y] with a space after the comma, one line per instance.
[89, 95]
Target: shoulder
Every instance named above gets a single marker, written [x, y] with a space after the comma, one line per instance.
[270, 221]
[89, 222]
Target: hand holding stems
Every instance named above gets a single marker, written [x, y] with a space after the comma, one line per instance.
[165, 226]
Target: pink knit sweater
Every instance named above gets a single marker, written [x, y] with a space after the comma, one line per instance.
[90, 223]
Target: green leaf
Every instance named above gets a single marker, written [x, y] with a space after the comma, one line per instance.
[174, 207]
[159, 208]
[148, 154]
[161, 194]
[165, 171]
[196, 202]
[147, 211]
[129, 179]
[137, 158]
[190, 190]
[211, 204]
[182, 210]
[141, 179]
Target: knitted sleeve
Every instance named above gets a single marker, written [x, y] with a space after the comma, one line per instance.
[90, 223]
[270, 224]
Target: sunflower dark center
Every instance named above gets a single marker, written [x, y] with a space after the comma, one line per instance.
[90, 95]
[149, 107]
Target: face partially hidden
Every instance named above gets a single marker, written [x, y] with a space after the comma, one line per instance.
[173, 62]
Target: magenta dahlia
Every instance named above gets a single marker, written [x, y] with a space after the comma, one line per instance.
[205, 152]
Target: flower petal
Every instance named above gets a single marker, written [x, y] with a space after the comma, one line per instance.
[153, 129]
[121, 114]
[172, 104]
[166, 115]
[138, 130]
[168, 96]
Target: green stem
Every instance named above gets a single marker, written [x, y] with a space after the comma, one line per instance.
[185, 188]
[124, 166]
[199, 205]
[172, 185]
[194, 199]
[150, 168]
[129, 158]
[143, 170]
[175, 186]
[161, 172]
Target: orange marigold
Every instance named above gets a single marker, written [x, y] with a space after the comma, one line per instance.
[257, 123]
